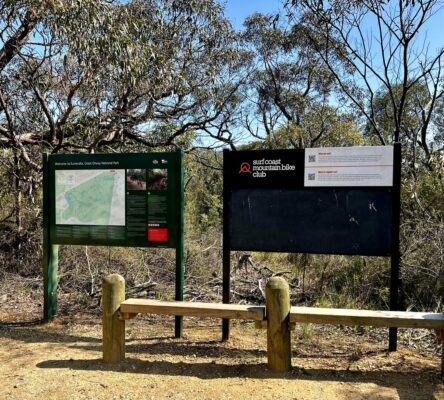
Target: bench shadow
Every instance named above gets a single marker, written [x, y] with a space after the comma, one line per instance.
[28, 335]
[164, 346]
[401, 382]
[210, 348]
[157, 344]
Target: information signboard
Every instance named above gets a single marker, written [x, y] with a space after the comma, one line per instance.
[111, 200]
[321, 201]
[115, 199]
[370, 166]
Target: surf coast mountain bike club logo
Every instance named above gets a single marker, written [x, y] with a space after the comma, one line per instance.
[245, 168]
[260, 168]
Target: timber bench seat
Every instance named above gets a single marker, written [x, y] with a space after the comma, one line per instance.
[351, 317]
[131, 307]
[277, 316]
[336, 316]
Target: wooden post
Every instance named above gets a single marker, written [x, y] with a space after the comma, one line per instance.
[277, 295]
[113, 293]
[442, 358]
[440, 337]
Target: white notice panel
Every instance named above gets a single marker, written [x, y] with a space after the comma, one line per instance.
[349, 166]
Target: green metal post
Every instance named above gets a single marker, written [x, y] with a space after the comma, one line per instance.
[50, 252]
[52, 282]
[180, 270]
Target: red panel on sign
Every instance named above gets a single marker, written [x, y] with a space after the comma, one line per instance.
[157, 234]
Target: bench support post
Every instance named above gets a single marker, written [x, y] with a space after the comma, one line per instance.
[113, 293]
[442, 358]
[278, 325]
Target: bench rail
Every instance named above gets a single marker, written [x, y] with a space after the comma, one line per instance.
[338, 316]
[230, 311]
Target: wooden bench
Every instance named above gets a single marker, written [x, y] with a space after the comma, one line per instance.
[282, 317]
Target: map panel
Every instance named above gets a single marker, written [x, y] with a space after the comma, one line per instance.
[90, 197]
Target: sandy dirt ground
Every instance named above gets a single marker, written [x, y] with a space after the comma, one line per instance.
[62, 360]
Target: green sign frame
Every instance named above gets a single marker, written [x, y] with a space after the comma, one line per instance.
[133, 200]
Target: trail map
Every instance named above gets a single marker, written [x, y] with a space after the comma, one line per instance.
[90, 197]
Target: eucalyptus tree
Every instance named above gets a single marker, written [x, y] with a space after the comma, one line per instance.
[90, 74]
[108, 75]
[290, 87]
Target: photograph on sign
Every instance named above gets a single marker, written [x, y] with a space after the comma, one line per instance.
[90, 197]
[348, 166]
[136, 179]
[157, 179]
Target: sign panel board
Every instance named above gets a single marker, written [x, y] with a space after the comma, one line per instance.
[115, 199]
[274, 205]
[311, 221]
[349, 166]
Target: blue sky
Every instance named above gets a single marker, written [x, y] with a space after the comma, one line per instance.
[238, 10]
[432, 33]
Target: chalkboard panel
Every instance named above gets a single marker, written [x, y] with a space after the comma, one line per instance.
[355, 221]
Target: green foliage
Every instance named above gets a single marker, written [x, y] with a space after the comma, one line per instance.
[322, 127]
[307, 332]
[422, 233]
[290, 86]
[105, 76]
[203, 193]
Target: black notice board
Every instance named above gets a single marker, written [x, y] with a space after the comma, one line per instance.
[340, 221]
[269, 205]
[274, 211]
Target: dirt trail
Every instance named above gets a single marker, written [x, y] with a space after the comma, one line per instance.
[62, 360]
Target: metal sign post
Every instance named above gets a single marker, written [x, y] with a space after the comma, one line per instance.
[180, 267]
[226, 265]
[50, 253]
[395, 256]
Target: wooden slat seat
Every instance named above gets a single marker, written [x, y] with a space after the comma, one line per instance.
[231, 311]
[338, 316]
